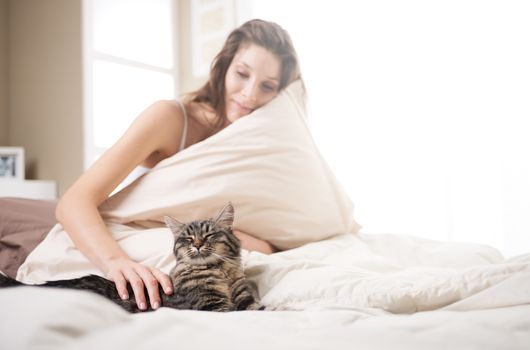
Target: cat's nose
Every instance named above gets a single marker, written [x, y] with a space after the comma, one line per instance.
[197, 243]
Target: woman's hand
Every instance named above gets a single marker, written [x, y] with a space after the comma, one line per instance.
[252, 243]
[122, 271]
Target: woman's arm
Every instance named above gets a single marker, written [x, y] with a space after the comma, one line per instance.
[249, 242]
[156, 130]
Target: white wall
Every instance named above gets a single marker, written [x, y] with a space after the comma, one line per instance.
[4, 108]
[45, 87]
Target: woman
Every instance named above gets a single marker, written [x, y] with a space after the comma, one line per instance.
[256, 62]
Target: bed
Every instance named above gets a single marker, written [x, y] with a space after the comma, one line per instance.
[334, 285]
[365, 291]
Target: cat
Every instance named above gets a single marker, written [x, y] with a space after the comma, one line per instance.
[208, 274]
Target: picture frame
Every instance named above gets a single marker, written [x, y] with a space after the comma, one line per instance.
[12, 163]
[211, 21]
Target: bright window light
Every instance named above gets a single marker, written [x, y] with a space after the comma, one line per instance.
[421, 109]
[138, 30]
[120, 94]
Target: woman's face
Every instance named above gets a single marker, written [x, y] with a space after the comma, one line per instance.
[251, 81]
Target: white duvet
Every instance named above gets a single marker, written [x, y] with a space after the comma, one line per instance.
[396, 273]
[349, 292]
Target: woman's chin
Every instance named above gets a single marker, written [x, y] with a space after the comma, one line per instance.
[234, 116]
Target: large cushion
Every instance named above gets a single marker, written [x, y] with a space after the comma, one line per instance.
[266, 164]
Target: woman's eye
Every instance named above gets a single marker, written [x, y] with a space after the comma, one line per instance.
[242, 74]
[268, 88]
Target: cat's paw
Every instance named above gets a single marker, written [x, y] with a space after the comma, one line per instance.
[277, 308]
[222, 309]
[255, 306]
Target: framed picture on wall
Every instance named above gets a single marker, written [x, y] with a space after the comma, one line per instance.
[12, 163]
[211, 21]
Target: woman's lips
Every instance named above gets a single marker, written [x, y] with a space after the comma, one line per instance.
[242, 107]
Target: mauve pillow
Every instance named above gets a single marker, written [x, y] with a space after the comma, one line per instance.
[23, 225]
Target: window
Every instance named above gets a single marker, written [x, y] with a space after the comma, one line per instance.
[130, 53]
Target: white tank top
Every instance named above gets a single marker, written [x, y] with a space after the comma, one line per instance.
[185, 128]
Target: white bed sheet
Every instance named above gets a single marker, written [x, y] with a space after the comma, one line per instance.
[354, 291]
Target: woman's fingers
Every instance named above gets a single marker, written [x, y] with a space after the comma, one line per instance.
[151, 284]
[121, 285]
[164, 280]
[138, 288]
[140, 278]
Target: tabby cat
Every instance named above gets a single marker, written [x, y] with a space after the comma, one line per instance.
[207, 275]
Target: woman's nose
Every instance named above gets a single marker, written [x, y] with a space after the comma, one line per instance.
[250, 91]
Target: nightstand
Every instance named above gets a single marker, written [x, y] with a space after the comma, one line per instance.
[32, 189]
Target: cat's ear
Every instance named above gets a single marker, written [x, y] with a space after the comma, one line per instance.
[226, 217]
[175, 225]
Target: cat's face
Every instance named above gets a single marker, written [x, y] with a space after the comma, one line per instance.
[205, 241]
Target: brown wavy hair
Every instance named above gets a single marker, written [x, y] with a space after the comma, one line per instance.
[268, 35]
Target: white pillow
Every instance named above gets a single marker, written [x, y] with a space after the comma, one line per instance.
[266, 164]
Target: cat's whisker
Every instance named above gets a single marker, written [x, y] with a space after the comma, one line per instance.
[226, 259]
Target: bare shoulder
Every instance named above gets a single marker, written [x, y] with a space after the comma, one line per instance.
[167, 112]
[166, 117]
[163, 121]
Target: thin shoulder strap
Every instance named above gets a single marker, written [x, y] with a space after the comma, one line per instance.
[185, 129]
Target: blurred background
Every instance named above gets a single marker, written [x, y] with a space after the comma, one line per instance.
[421, 108]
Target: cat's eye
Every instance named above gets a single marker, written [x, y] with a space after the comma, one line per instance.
[211, 235]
